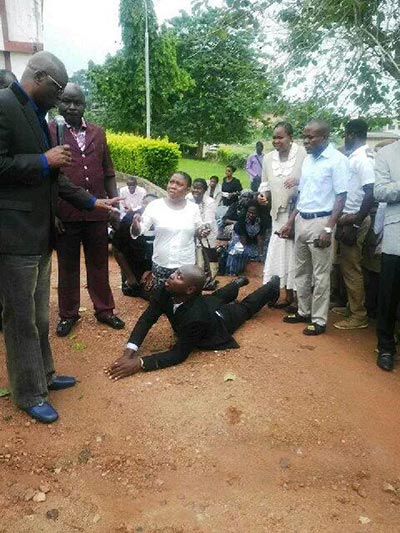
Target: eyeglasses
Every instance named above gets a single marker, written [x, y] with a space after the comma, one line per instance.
[60, 88]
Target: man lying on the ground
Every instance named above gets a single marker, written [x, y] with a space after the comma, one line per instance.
[204, 322]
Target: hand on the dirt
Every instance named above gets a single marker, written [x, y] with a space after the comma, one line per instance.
[290, 182]
[59, 156]
[125, 366]
[59, 226]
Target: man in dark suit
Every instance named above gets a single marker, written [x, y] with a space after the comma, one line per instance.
[29, 187]
[91, 168]
[204, 322]
[6, 79]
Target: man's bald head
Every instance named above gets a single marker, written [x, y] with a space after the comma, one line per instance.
[72, 104]
[44, 79]
[316, 136]
[320, 126]
[194, 276]
[186, 281]
[74, 89]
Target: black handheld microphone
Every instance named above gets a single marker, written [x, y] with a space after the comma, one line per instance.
[60, 122]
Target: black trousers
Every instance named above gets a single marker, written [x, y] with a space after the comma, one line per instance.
[388, 301]
[236, 313]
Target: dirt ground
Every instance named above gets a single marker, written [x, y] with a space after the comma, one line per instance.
[304, 437]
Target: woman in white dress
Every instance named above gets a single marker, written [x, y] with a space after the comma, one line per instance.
[280, 179]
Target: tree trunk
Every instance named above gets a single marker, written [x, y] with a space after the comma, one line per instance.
[200, 149]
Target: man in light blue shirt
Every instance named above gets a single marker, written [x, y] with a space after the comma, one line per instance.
[322, 195]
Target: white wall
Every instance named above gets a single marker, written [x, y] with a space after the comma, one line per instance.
[25, 25]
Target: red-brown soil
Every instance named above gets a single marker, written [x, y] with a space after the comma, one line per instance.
[305, 438]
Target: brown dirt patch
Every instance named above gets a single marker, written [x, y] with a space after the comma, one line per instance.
[302, 440]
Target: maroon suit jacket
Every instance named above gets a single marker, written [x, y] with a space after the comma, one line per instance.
[89, 170]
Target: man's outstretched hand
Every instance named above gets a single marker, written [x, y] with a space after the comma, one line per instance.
[125, 366]
[107, 203]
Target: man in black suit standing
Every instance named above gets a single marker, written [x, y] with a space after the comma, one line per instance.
[204, 322]
[29, 187]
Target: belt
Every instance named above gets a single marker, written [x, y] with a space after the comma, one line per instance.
[319, 214]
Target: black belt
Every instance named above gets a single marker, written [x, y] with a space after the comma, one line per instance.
[319, 214]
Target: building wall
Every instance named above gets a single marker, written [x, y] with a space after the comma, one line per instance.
[21, 32]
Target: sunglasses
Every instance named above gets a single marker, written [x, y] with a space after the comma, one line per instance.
[60, 88]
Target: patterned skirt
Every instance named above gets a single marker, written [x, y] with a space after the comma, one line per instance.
[160, 275]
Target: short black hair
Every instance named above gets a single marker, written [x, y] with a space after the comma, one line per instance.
[132, 179]
[216, 178]
[286, 126]
[202, 182]
[358, 127]
[185, 176]
[232, 168]
[322, 126]
[260, 143]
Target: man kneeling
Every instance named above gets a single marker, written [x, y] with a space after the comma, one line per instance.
[204, 322]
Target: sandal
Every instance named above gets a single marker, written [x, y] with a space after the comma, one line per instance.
[295, 318]
[314, 329]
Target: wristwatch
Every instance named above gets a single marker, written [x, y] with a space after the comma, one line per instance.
[328, 230]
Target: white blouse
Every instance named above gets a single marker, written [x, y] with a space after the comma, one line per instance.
[174, 244]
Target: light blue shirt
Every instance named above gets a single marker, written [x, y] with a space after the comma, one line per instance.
[322, 178]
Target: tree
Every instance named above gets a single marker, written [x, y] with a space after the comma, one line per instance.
[119, 84]
[351, 48]
[217, 47]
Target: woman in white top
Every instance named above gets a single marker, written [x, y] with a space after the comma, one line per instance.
[175, 221]
[280, 179]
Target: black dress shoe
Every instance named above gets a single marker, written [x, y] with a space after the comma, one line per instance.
[61, 382]
[385, 361]
[241, 281]
[65, 326]
[295, 318]
[112, 320]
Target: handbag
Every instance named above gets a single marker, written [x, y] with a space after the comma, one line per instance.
[207, 258]
[346, 234]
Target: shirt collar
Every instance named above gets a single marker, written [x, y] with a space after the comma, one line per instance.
[359, 151]
[325, 153]
[83, 126]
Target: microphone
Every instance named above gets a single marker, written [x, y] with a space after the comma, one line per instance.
[60, 122]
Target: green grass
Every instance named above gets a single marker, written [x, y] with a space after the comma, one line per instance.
[205, 169]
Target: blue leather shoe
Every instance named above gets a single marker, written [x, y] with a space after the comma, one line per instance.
[62, 382]
[43, 412]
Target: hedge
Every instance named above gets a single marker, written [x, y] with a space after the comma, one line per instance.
[153, 159]
[230, 156]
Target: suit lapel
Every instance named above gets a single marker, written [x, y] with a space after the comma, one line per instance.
[90, 133]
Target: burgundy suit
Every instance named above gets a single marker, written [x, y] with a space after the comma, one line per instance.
[90, 168]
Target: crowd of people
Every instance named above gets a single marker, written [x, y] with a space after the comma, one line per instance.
[309, 208]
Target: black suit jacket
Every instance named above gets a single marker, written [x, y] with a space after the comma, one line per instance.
[195, 323]
[27, 198]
